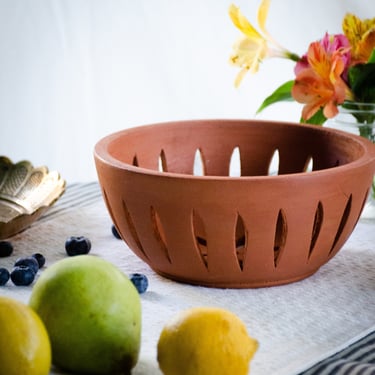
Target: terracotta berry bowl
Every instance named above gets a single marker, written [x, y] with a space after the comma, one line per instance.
[204, 226]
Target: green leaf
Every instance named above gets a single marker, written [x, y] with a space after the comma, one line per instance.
[362, 82]
[372, 57]
[317, 119]
[282, 93]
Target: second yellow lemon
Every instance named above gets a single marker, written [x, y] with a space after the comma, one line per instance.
[24, 343]
[205, 341]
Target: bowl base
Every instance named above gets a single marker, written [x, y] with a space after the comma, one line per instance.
[236, 284]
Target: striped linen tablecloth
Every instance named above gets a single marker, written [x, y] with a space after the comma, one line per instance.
[322, 325]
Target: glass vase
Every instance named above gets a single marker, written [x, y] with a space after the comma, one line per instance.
[359, 118]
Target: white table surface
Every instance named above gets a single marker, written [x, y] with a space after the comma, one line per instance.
[297, 325]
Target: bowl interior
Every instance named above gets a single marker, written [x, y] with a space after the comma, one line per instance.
[224, 148]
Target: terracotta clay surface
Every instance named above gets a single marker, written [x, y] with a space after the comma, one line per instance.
[216, 230]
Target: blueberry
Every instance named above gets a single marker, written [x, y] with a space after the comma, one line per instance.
[22, 275]
[4, 276]
[28, 262]
[77, 245]
[40, 259]
[6, 248]
[115, 232]
[140, 281]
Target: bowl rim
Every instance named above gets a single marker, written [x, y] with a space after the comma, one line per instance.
[101, 151]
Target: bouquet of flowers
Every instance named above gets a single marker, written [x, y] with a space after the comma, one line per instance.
[338, 70]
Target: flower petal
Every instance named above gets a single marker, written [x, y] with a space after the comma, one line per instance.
[262, 14]
[361, 36]
[240, 76]
[241, 22]
[366, 46]
[330, 109]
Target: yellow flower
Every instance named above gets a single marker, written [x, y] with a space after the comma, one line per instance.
[361, 36]
[253, 47]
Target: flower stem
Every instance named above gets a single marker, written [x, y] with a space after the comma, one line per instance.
[293, 56]
[366, 131]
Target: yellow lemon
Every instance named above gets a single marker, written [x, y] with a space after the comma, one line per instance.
[24, 343]
[205, 341]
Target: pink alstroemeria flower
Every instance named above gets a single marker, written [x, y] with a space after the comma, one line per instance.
[330, 43]
[320, 75]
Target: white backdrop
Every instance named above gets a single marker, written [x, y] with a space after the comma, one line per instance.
[72, 71]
